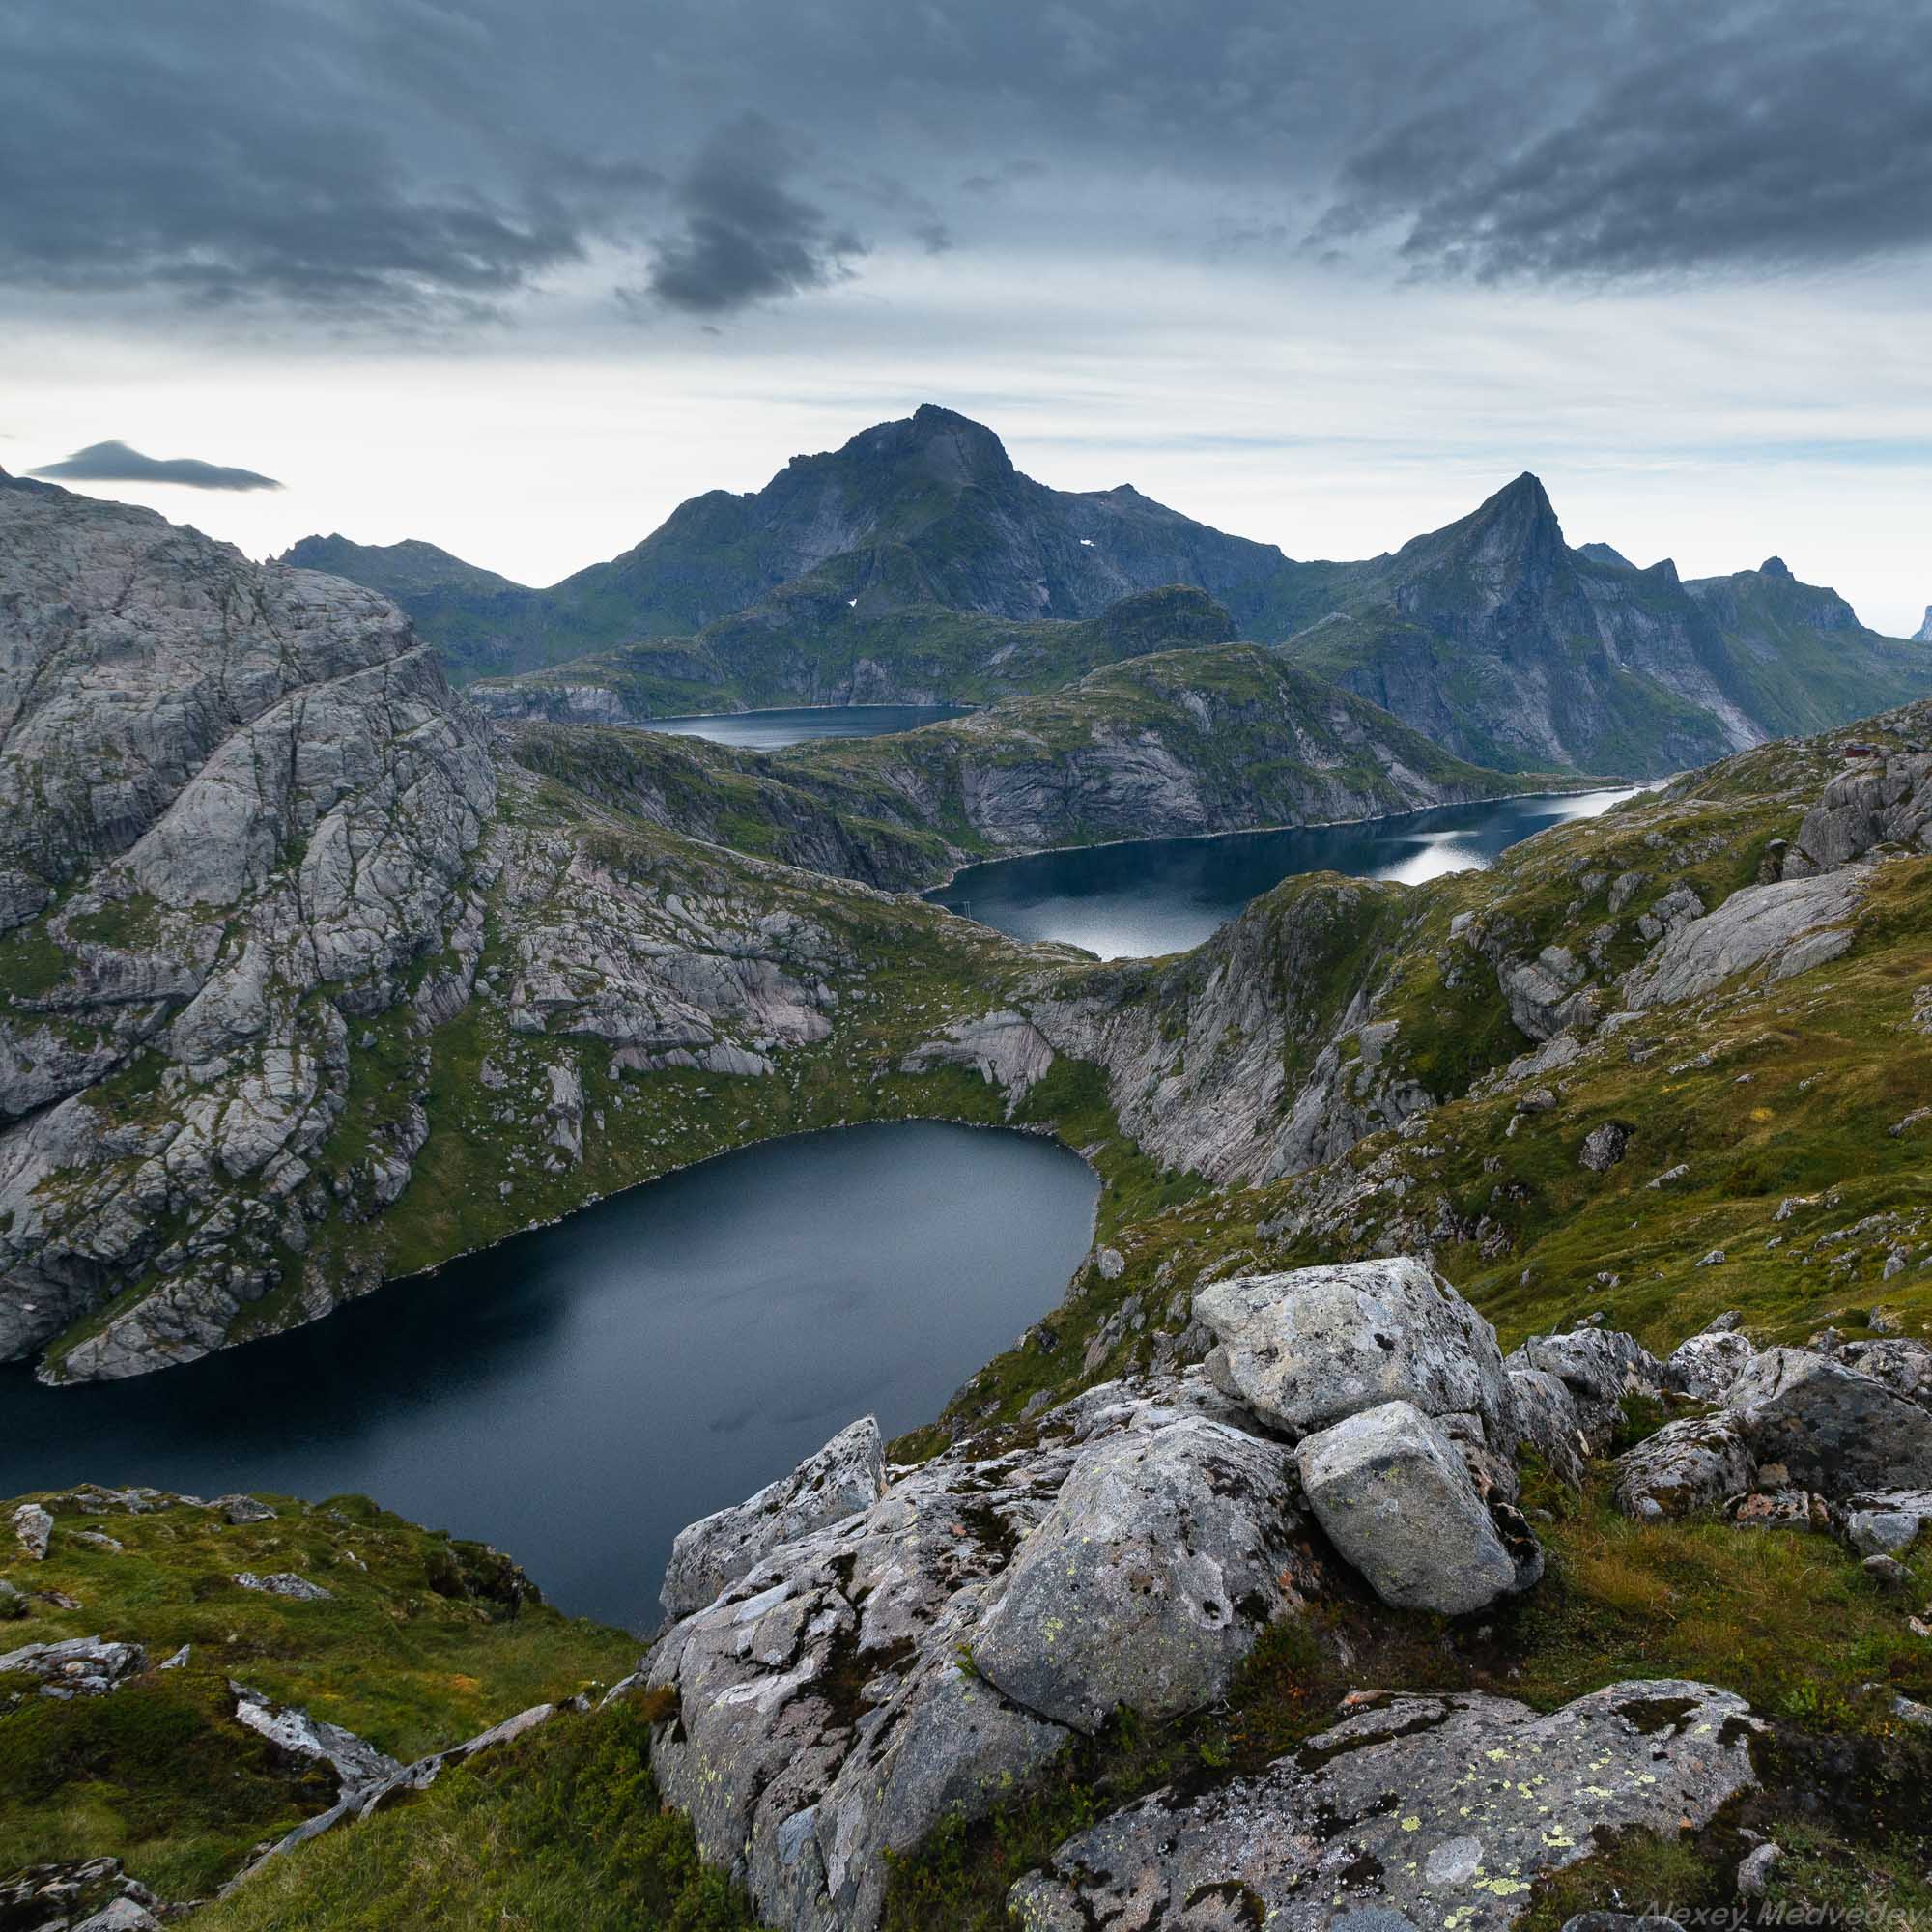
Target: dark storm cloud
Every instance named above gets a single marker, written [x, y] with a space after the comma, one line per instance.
[323, 156]
[745, 236]
[411, 160]
[116, 462]
[1758, 137]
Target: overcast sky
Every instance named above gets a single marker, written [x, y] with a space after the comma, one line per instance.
[519, 278]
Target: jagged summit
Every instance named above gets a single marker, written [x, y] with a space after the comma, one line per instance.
[1774, 566]
[1604, 554]
[937, 442]
[1924, 634]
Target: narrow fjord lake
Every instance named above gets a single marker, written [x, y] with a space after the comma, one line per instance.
[579, 1394]
[1148, 897]
[773, 730]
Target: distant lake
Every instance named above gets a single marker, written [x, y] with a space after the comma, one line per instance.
[772, 730]
[1152, 895]
[579, 1394]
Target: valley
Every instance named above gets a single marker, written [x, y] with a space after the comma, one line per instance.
[318, 974]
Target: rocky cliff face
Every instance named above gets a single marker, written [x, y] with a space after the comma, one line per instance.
[263, 888]
[241, 807]
[1501, 642]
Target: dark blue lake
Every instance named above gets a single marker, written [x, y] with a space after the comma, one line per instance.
[579, 1394]
[1153, 895]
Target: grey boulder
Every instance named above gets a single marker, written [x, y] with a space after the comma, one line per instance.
[33, 1527]
[285, 1584]
[1707, 1365]
[238, 1510]
[1686, 1468]
[358, 1765]
[844, 1477]
[78, 1666]
[1161, 1561]
[1596, 1368]
[1835, 1429]
[1397, 1500]
[1446, 1809]
[1786, 928]
[1886, 1522]
[1305, 1348]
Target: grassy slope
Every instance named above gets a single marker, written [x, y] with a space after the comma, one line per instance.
[411, 1653]
[562, 1830]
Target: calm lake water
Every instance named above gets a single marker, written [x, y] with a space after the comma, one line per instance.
[580, 1393]
[1155, 895]
[771, 730]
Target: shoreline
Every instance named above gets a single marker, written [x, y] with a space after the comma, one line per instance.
[1631, 788]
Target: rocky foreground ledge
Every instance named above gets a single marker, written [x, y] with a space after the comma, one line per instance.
[891, 1648]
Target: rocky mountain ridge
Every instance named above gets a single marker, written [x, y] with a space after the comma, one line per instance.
[897, 568]
[929, 509]
[1502, 643]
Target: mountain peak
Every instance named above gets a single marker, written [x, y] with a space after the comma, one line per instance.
[1923, 635]
[1522, 501]
[951, 449]
[1773, 566]
[1517, 520]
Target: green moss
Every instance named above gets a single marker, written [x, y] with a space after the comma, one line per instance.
[32, 963]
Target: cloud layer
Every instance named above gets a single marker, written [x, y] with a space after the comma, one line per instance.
[402, 164]
[116, 462]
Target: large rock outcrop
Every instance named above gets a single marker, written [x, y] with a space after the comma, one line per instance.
[1305, 1349]
[923, 1659]
[1445, 1810]
[841, 1479]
